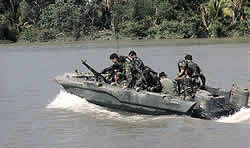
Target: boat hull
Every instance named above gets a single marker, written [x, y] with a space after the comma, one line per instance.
[205, 105]
[133, 102]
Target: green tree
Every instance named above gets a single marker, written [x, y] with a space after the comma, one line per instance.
[219, 17]
[237, 7]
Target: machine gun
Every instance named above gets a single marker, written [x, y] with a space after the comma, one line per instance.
[112, 68]
[96, 74]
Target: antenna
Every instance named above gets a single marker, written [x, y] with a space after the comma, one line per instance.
[116, 25]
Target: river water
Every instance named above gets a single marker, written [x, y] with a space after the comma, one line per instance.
[37, 113]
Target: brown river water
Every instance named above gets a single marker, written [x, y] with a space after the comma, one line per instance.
[35, 112]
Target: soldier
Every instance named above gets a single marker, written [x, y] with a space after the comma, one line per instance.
[127, 70]
[119, 79]
[196, 73]
[136, 60]
[168, 86]
[148, 81]
[138, 65]
[110, 72]
[184, 80]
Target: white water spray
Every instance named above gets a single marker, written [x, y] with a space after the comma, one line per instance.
[67, 101]
[74, 103]
[242, 116]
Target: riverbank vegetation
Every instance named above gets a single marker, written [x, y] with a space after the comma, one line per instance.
[45, 20]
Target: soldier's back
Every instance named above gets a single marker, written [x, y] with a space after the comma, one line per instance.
[194, 67]
[168, 86]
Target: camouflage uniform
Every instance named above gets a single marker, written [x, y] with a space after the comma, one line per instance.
[185, 86]
[196, 74]
[119, 80]
[139, 64]
[128, 72]
[151, 83]
[195, 69]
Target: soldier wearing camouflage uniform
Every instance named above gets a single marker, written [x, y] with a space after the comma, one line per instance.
[148, 81]
[110, 71]
[136, 60]
[184, 81]
[127, 70]
[119, 79]
[196, 73]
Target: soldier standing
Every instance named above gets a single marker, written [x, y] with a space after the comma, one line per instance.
[184, 80]
[195, 72]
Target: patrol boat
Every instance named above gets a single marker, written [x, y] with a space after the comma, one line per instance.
[207, 104]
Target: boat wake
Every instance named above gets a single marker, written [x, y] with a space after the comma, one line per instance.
[70, 102]
[242, 116]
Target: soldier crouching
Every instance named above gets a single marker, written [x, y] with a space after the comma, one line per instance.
[119, 80]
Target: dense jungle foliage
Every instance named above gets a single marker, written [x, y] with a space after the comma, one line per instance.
[44, 20]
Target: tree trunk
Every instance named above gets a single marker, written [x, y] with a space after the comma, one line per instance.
[233, 18]
[203, 16]
[108, 5]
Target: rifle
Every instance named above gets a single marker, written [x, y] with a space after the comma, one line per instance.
[96, 74]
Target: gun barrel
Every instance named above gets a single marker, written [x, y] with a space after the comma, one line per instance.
[96, 74]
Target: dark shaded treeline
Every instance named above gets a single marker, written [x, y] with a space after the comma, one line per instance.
[44, 20]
